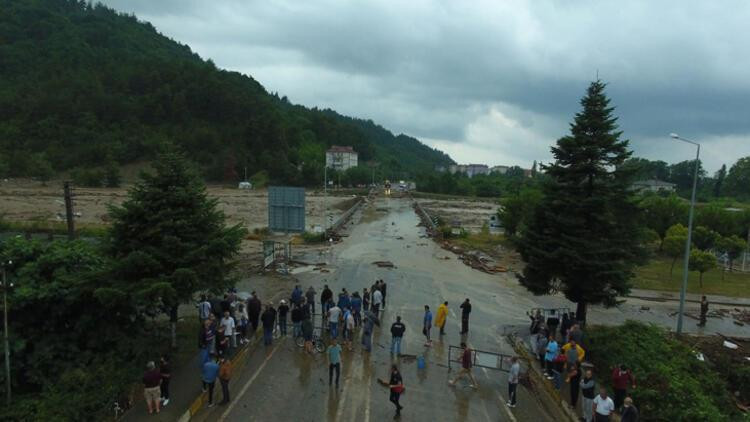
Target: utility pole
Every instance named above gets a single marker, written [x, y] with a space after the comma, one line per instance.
[5, 334]
[69, 211]
[325, 197]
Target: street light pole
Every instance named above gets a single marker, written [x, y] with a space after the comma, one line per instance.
[683, 290]
[325, 197]
[5, 335]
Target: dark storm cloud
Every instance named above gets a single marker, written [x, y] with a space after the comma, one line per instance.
[490, 81]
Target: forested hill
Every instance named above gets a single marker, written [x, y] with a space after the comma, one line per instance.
[83, 86]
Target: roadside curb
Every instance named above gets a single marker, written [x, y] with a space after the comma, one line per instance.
[236, 362]
[674, 299]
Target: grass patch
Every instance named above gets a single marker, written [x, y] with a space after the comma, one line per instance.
[655, 276]
[482, 241]
[52, 227]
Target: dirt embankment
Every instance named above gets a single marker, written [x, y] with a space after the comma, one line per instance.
[470, 214]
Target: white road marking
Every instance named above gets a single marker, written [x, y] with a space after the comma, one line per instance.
[249, 382]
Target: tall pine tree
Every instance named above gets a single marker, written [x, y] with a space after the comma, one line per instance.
[169, 240]
[583, 238]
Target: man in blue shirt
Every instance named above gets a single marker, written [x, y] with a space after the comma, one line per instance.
[427, 324]
[334, 362]
[210, 372]
[550, 356]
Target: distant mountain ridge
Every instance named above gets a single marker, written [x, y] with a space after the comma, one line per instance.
[82, 86]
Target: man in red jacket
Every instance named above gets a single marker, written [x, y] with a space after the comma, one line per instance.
[621, 379]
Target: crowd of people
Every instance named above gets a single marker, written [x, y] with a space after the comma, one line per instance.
[557, 340]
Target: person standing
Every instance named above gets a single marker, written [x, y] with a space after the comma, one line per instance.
[269, 321]
[325, 297]
[334, 362]
[588, 391]
[575, 334]
[367, 327]
[366, 299]
[297, 321]
[513, 375]
[396, 385]
[465, 311]
[550, 355]
[333, 321]
[166, 373]
[397, 333]
[204, 308]
[377, 302]
[704, 311]
[344, 299]
[541, 349]
[603, 406]
[629, 412]
[253, 311]
[574, 377]
[296, 296]
[151, 388]
[283, 310]
[383, 290]
[229, 328]
[553, 320]
[357, 309]
[466, 364]
[210, 373]
[442, 316]
[622, 378]
[307, 329]
[349, 328]
[225, 374]
[310, 296]
[242, 321]
[427, 325]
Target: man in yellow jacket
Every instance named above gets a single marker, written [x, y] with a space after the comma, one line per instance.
[573, 352]
[442, 315]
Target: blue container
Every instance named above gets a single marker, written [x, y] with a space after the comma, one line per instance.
[420, 362]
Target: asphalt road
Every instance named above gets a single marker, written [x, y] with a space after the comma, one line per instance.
[281, 382]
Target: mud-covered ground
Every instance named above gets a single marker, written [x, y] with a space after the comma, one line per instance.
[470, 213]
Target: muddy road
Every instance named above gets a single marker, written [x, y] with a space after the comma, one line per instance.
[281, 382]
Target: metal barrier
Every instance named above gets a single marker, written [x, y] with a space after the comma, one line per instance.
[345, 217]
[548, 311]
[480, 358]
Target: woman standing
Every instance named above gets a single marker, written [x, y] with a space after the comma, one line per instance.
[396, 385]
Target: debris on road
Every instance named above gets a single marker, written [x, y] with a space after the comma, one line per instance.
[384, 264]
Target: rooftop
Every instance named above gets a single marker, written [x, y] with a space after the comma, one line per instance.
[337, 148]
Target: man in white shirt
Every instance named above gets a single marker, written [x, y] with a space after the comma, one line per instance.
[377, 301]
[204, 308]
[515, 372]
[333, 320]
[603, 406]
[228, 323]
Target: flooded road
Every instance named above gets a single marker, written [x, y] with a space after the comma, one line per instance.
[281, 382]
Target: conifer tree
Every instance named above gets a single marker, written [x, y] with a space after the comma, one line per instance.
[169, 240]
[584, 238]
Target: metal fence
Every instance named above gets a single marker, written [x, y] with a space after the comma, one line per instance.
[480, 358]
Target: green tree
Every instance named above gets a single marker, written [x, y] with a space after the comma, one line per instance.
[584, 238]
[659, 214]
[738, 179]
[112, 178]
[682, 174]
[517, 209]
[719, 180]
[733, 246]
[704, 238]
[169, 241]
[674, 243]
[701, 261]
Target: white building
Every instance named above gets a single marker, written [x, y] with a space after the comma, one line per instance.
[341, 158]
[653, 186]
[469, 169]
[499, 169]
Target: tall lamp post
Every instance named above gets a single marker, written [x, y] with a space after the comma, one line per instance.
[5, 287]
[690, 229]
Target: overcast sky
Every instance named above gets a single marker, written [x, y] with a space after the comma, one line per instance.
[493, 82]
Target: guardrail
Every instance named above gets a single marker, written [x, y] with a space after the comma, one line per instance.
[345, 216]
[480, 358]
[424, 214]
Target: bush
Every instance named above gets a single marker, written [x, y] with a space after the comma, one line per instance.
[673, 384]
[87, 177]
[310, 237]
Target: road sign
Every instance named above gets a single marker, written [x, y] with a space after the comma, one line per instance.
[286, 209]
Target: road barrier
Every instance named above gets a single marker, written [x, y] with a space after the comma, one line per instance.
[480, 358]
[345, 216]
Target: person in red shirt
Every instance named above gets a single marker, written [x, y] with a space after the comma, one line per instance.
[151, 387]
[466, 364]
[622, 378]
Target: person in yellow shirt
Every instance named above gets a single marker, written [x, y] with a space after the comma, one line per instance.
[573, 353]
[442, 315]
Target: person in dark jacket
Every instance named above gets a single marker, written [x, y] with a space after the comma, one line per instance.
[397, 333]
[465, 311]
[297, 321]
[396, 385]
[553, 320]
[325, 296]
[310, 296]
[253, 311]
[283, 310]
[629, 412]
[269, 319]
[383, 289]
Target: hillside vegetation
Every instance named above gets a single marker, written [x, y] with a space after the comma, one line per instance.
[83, 86]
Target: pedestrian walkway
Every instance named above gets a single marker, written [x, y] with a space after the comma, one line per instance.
[184, 389]
[689, 297]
